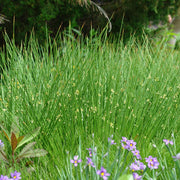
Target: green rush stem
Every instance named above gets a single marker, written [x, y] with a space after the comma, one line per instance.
[144, 171]
[87, 173]
[178, 168]
[169, 150]
[12, 158]
[119, 159]
[77, 174]
[124, 162]
[153, 174]
[130, 161]
[71, 175]
[109, 145]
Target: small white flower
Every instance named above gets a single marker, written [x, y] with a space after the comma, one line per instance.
[154, 145]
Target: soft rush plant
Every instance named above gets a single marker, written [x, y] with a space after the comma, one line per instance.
[16, 142]
[73, 87]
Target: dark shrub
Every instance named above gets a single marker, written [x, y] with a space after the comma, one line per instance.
[29, 14]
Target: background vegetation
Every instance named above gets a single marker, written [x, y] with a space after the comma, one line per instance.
[27, 15]
[83, 84]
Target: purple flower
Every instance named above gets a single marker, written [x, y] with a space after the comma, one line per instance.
[177, 157]
[137, 165]
[142, 166]
[4, 178]
[16, 175]
[103, 173]
[152, 162]
[124, 139]
[1, 144]
[124, 143]
[134, 167]
[75, 161]
[111, 141]
[91, 152]
[136, 153]
[128, 144]
[131, 145]
[136, 176]
[90, 163]
[167, 141]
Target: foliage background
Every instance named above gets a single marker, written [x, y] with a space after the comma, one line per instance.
[37, 14]
[75, 86]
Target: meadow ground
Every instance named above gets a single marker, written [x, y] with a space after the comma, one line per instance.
[80, 92]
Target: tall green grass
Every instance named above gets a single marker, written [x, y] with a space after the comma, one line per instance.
[75, 87]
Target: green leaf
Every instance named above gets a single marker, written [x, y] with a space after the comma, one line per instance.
[172, 34]
[20, 138]
[6, 133]
[126, 177]
[13, 141]
[33, 153]
[26, 148]
[29, 137]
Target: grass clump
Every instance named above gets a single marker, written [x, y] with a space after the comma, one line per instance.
[79, 87]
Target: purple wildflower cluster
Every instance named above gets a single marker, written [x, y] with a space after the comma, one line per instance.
[130, 145]
[101, 172]
[136, 167]
[14, 176]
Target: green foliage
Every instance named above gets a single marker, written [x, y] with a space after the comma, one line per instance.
[31, 14]
[16, 142]
[133, 16]
[127, 15]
